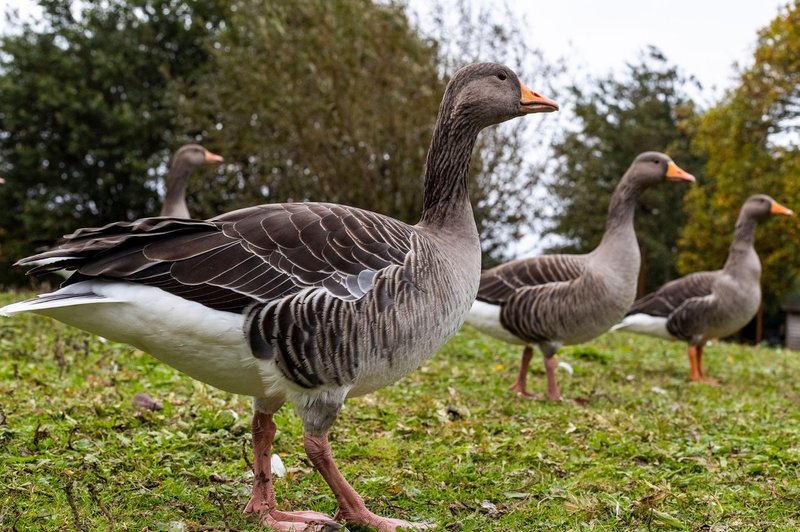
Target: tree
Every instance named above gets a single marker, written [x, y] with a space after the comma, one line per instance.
[336, 101]
[648, 109]
[309, 99]
[750, 141]
[87, 111]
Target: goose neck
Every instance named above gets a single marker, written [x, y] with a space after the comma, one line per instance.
[446, 192]
[742, 248]
[175, 199]
[621, 210]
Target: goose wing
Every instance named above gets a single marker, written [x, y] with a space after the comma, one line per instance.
[252, 255]
[500, 283]
[664, 301]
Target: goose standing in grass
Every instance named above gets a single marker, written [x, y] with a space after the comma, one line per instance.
[302, 302]
[184, 161]
[556, 300]
[703, 306]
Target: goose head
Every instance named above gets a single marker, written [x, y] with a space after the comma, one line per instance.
[191, 156]
[489, 93]
[652, 167]
[760, 207]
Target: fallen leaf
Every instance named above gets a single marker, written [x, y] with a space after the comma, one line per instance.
[147, 402]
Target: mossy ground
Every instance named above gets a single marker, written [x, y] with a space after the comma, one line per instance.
[633, 446]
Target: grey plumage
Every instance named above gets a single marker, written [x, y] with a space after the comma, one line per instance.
[706, 305]
[567, 299]
[331, 301]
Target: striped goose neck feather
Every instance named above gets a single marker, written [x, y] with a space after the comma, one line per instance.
[447, 169]
[473, 100]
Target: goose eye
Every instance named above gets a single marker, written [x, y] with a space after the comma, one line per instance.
[502, 76]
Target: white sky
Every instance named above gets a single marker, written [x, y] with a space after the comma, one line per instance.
[702, 37]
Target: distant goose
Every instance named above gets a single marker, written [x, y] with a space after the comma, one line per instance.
[703, 306]
[187, 158]
[556, 300]
[303, 302]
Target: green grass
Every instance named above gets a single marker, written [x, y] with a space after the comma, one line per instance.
[637, 447]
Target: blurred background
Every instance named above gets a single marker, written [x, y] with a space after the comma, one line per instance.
[335, 101]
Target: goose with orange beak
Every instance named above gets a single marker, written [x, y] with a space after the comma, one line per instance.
[703, 306]
[556, 300]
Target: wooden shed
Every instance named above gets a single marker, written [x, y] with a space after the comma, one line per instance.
[792, 310]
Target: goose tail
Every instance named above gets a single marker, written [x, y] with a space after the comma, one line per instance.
[55, 300]
[641, 323]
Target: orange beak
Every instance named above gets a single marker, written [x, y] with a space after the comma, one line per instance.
[533, 102]
[676, 173]
[777, 208]
[213, 158]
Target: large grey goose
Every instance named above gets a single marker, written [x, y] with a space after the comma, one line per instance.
[302, 302]
[555, 300]
[703, 306]
[186, 158]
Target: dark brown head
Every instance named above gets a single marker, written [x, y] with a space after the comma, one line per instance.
[652, 167]
[760, 206]
[489, 93]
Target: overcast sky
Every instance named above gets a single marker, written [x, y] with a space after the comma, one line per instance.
[702, 37]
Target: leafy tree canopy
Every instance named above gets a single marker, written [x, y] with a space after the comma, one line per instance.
[86, 110]
[336, 101]
[750, 140]
[310, 99]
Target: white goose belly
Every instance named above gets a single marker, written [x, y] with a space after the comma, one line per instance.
[206, 344]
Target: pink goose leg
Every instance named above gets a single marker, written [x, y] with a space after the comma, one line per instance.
[262, 501]
[520, 385]
[550, 364]
[351, 506]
